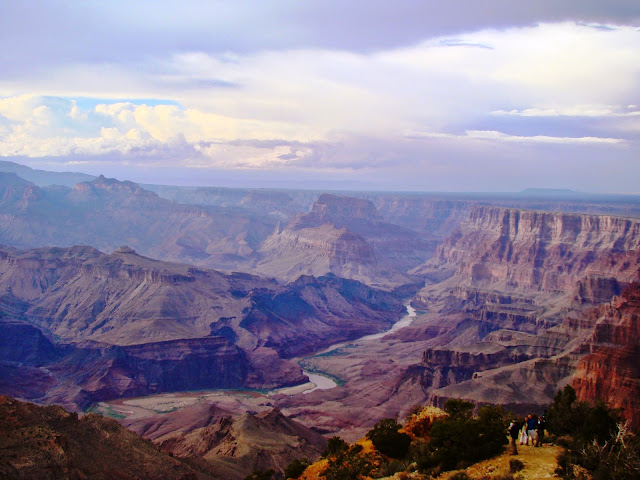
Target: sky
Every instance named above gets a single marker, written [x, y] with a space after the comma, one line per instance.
[420, 95]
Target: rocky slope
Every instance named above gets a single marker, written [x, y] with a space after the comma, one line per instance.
[234, 445]
[345, 236]
[609, 371]
[48, 442]
[522, 343]
[91, 326]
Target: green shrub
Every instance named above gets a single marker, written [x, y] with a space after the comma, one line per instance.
[335, 446]
[349, 465]
[295, 468]
[457, 408]
[461, 439]
[391, 468]
[597, 443]
[260, 475]
[388, 440]
[580, 420]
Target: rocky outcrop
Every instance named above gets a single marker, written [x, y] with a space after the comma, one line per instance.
[345, 236]
[610, 370]
[435, 218]
[48, 442]
[234, 446]
[317, 251]
[517, 297]
[519, 249]
[114, 371]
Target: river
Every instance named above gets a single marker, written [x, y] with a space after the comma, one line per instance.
[324, 382]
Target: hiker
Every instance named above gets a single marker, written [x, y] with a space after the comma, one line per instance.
[542, 424]
[514, 430]
[523, 432]
[531, 430]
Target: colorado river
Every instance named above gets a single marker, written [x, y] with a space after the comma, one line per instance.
[324, 382]
[248, 400]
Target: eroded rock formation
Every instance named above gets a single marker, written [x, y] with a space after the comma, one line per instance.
[86, 326]
[611, 369]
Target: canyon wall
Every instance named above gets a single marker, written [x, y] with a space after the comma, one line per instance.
[517, 295]
[84, 326]
[520, 249]
[345, 236]
[611, 369]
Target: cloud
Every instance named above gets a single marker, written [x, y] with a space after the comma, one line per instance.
[544, 88]
[42, 32]
[575, 111]
[496, 136]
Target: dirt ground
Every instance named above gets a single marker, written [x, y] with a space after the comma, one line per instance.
[539, 463]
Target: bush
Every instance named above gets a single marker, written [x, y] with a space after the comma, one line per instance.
[391, 468]
[580, 420]
[349, 464]
[515, 465]
[618, 458]
[460, 439]
[295, 468]
[260, 475]
[388, 440]
[457, 408]
[335, 446]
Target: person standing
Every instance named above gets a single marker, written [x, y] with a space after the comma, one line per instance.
[531, 430]
[542, 424]
[514, 430]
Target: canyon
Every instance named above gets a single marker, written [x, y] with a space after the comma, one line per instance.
[91, 326]
[225, 297]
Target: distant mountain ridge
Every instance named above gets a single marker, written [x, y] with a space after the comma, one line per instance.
[44, 178]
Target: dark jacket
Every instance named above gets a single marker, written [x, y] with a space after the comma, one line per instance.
[514, 429]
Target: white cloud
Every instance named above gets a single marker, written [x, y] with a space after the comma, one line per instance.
[314, 96]
[493, 135]
[503, 137]
[574, 111]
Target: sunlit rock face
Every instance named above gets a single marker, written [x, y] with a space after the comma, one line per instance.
[522, 249]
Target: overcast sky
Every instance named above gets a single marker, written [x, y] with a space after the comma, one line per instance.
[464, 95]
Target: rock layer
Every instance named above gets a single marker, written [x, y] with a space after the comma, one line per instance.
[89, 326]
[345, 236]
[611, 370]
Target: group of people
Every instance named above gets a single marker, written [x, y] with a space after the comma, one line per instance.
[531, 429]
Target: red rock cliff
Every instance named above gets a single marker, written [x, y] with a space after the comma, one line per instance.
[542, 250]
[612, 370]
